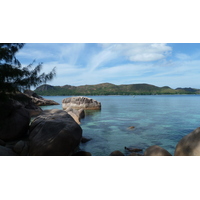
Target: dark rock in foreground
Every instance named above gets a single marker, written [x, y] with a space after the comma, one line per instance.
[27, 103]
[54, 133]
[14, 120]
[189, 145]
[81, 102]
[156, 151]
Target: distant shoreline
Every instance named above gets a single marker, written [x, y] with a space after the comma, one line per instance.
[111, 89]
[126, 95]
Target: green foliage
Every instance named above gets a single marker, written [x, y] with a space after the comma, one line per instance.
[14, 77]
[110, 89]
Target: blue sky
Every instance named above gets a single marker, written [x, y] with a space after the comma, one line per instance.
[161, 64]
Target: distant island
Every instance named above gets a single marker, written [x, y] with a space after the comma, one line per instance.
[111, 89]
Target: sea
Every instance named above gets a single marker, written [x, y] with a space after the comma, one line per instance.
[155, 120]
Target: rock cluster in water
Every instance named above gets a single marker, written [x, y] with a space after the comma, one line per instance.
[189, 145]
[81, 103]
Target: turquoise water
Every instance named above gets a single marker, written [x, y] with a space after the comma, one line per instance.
[158, 120]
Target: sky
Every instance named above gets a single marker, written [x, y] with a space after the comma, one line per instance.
[161, 64]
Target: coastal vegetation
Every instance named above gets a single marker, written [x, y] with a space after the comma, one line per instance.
[15, 78]
[111, 89]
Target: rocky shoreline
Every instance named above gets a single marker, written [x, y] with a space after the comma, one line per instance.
[51, 133]
[58, 132]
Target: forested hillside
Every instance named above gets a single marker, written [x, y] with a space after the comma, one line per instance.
[111, 89]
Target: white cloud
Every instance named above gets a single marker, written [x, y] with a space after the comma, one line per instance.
[101, 58]
[131, 52]
[144, 52]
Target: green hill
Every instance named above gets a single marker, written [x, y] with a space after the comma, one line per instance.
[111, 89]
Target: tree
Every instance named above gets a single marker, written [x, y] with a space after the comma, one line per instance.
[14, 77]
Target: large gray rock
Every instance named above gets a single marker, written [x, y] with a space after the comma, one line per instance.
[189, 145]
[81, 102]
[14, 120]
[43, 102]
[38, 100]
[30, 93]
[156, 151]
[54, 133]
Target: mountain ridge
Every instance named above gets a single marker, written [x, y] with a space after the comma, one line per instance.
[111, 89]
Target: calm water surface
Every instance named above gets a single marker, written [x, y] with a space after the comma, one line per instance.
[158, 120]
